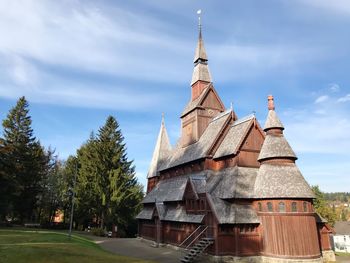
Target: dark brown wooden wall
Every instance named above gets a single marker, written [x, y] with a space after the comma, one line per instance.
[147, 229]
[290, 235]
[324, 236]
[239, 240]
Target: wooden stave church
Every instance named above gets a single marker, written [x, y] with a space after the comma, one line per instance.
[234, 178]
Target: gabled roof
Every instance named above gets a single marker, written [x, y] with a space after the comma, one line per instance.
[198, 150]
[197, 103]
[231, 213]
[281, 181]
[161, 151]
[172, 189]
[276, 146]
[236, 182]
[234, 137]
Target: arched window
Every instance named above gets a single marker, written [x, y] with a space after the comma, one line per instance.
[305, 206]
[294, 206]
[269, 207]
[259, 206]
[281, 207]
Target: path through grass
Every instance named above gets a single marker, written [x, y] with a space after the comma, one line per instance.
[17, 246]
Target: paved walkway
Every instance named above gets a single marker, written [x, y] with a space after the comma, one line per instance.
[136, 248]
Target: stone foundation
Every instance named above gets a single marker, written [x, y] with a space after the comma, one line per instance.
[328, 256]
[256, 259]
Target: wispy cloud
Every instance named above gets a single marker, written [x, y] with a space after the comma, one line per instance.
[337, 6]
[321, 99]
[320, 127]
[345, 98]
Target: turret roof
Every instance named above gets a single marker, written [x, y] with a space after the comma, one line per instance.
[161, 151]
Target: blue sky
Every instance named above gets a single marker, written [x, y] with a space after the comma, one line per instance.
[79, 61]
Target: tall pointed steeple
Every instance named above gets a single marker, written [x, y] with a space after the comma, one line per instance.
[201, 76]
[161, 150]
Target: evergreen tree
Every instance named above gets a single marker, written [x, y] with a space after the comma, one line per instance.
[322, 207]
[108, 177]
[25, 162]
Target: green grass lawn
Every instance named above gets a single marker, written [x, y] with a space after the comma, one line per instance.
[29, 246]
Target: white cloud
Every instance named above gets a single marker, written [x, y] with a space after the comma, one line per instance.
[321, 99]
[337, 6]
[345, 98]
[333, 87]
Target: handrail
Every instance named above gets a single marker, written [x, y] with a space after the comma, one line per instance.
[190, 235]
[197, 237]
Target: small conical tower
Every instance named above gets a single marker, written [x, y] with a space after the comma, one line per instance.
[284, 198]
[160, 154]
[278, 174]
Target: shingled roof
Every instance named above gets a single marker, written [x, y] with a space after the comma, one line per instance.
[201, 72]
[236, 182]
[276, 146]
[179, 214]
[167, 190]
[231, 213]
[195, 103]
[234, 137]
[281, 181]
[200, 53]
[161, 151]
[146, 213]
[272, 121]
[198, 150]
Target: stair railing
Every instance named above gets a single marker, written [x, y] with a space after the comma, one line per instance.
[196, 238]
[187, 238]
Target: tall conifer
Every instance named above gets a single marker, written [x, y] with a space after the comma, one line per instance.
[24, 160]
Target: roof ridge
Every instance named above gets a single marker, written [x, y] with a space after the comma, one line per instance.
[220, 115]
[244, 119]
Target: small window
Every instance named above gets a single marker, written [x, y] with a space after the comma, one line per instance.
[281, 207]
[305, 206]
[269, 207]
[259, 206]
[241, 228]
[294, 206]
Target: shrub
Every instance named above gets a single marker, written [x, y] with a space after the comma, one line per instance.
[98, 232]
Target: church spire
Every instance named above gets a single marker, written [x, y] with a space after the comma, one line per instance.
[201, 75]
[161, 150]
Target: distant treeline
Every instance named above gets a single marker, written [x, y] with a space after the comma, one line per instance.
[343, 197]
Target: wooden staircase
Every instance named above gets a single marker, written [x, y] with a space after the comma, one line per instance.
[199, 247]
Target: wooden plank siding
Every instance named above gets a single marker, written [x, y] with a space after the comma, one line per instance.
[292, 235]
[147, 229]
[324, 237]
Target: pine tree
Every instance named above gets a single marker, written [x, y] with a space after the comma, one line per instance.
[25, 161]
[108, 177]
